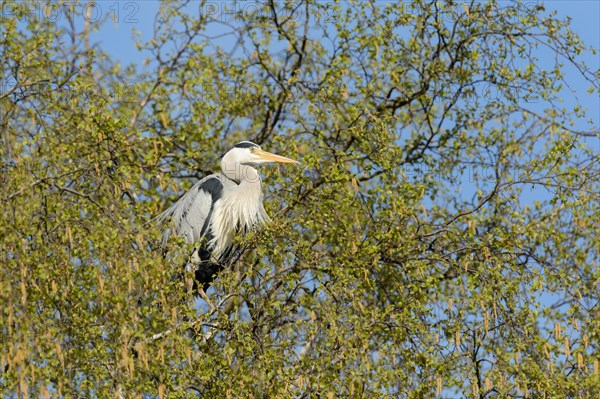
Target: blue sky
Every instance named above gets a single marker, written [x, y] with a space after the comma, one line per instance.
[124, 16]
[116, 37]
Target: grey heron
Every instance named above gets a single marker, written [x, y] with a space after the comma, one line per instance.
[217, 208]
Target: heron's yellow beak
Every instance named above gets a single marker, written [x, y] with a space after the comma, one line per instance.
[269, 157]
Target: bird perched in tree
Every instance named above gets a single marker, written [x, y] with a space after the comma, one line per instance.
[218, 207]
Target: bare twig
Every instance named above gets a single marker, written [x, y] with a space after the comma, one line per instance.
[191, 325]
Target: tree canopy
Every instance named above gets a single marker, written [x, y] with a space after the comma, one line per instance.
[440, 238]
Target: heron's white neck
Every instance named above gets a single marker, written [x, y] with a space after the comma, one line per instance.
[243, 175]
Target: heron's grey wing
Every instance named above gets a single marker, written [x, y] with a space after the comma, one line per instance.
[190, 216]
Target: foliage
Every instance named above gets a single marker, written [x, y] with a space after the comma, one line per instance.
[440, 237]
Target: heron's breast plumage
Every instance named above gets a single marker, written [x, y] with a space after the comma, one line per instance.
[239, 209]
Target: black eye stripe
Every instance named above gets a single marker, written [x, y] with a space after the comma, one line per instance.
[246, 144]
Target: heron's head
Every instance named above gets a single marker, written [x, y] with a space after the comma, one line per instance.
[248, 153]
